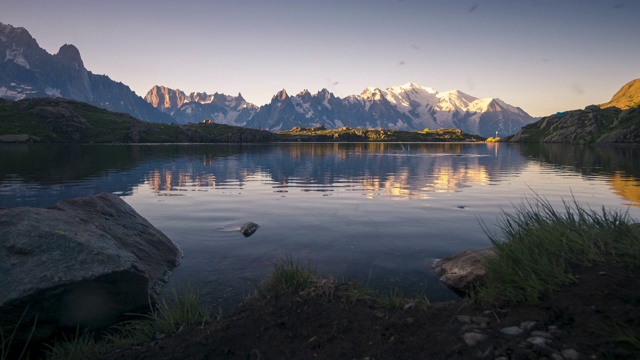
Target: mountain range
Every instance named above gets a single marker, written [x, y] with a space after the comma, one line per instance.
[195, 107]
[28, 71]
[407, 107]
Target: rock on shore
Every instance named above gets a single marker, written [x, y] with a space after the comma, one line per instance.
[462, 270]
[82, 262]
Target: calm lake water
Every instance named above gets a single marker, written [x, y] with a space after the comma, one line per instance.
[378, 213]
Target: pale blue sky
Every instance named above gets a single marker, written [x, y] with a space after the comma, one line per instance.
[544, 56]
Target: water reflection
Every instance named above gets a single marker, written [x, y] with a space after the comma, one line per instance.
[396, 171]
[616, 163]
[378, 212]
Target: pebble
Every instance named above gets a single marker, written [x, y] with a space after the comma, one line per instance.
[512, 330]
[480, 320]
[472, 338]
[528, 325]
[543, 334]
[537, 340]
[464, 318]
[468, 327]
[557, 357]
[570, 354]
[409, 306]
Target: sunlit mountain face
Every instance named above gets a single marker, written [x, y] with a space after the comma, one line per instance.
[407, 107]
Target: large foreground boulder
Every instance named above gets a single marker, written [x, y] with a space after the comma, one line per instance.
[82, 262]
[463, 270]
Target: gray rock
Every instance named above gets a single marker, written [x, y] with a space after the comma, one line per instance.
[469, 327]
[528, 325]
[480, 320]
[537, 341]
[570, 354]
[464, 318]
[512, 330]
[543, 334]
[409, 306]
[463, 270]
[472, 338]
[83, 262]
[249, 228]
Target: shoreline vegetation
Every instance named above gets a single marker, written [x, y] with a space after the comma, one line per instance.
[55, 120]
[564, 284]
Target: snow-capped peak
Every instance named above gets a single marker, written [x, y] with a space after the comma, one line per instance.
[412, 87]
[372, 93]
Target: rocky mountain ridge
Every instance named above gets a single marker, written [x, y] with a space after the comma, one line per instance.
[627, 97]
[28, 71]
[198, 106]
[617, 121]
[407, 107]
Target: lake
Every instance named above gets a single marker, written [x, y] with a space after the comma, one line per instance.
[380, 213]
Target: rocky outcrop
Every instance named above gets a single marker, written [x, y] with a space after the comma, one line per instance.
[463, 270]
[617, 121]
[82, 262]
[627, 97]
[591, 125]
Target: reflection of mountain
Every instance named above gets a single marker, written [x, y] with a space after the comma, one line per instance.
[617, 163]
[588, 160]
[39, 175]
[373, 169]
[626, 187]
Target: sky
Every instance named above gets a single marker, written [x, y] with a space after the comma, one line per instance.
[541, 55]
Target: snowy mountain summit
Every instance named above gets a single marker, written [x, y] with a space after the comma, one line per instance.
[406, 107]
[428, 108]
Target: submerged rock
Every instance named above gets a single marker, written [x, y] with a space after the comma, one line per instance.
[462, 270]
[249, 228]
[82, 262]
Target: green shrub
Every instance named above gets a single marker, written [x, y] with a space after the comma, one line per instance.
[539, 248]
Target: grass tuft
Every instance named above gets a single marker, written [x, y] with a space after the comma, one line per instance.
[354, 291]
[81, 347]
[395, 300]
[290, 277]
[164, 319]
[7, 343]
[391, 300]
[539, 248]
